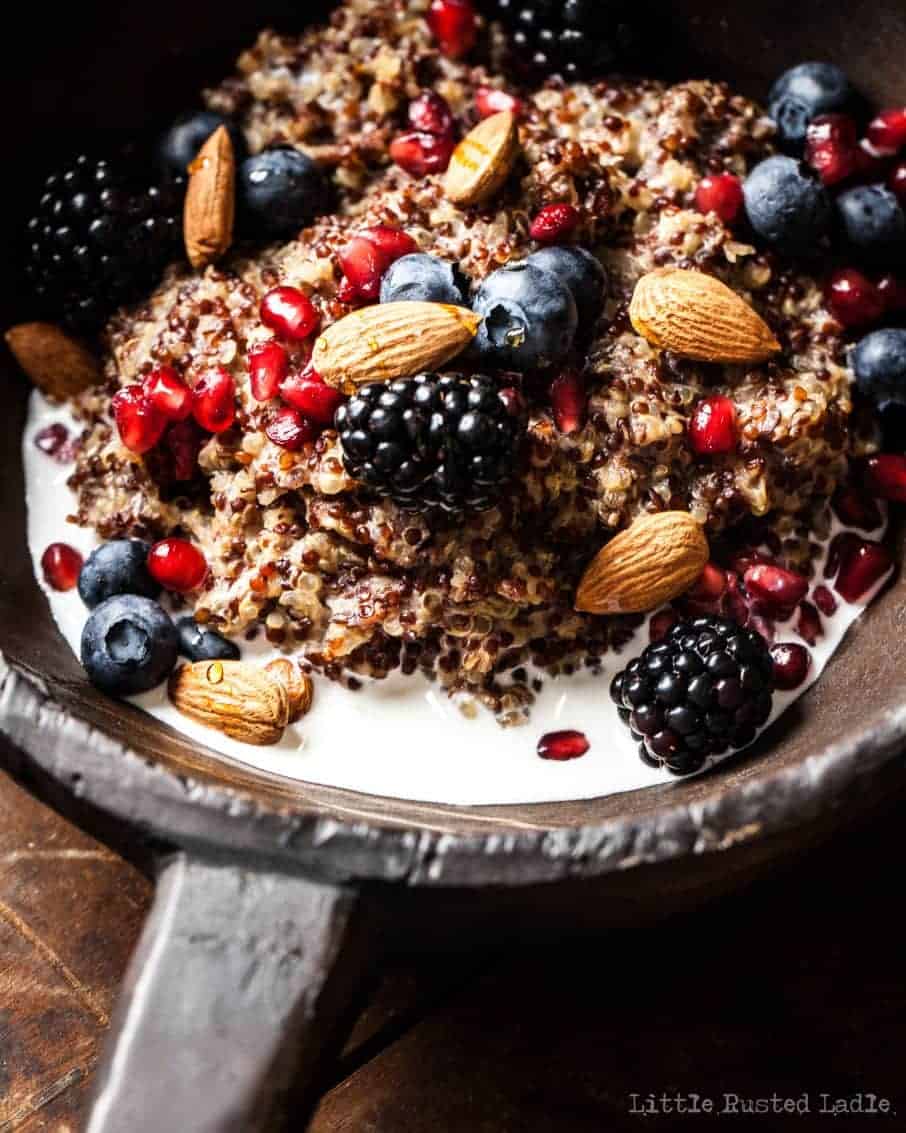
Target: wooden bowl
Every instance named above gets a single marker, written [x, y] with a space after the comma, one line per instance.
[272, 891]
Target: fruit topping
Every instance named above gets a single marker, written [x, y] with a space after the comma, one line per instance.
[278, 192]
[712, 427]
[312, 396]
[825, 601]
[529, 318]
[268, 366]
[887, 131]
[554, 223]
[873, 222]
[832, 147]
[289, 313]
[139, 423]
[445, 441]
[420, 154]
[179, 146]
[453, 25]
[564, 745]
[855, 508]
[569, 401]
[102, 236]
[787, 205]
[290, 430]
[879, 363]
[177, 565]
[853, 298]
[706, 687]
[214, 400]
[885, 476]
[117, 567]
[863, 564]
[129, 645]
[791, 665]
[808, 624]
[183, 441]
[779, 589]
[53, 441]
[199, 643]
[801, 94]
[490, 101]
[425, 279]
[60, 565]
[367, 257]
[896, 181]
[582, 273]
[431, 114]
[168, 393]
[721, 194]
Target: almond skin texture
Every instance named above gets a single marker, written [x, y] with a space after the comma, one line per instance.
[655, 559]
[58, 365]
[697, 316]
[298, 685]
[392, 340]
[210, 205]
[482, 161]
[238, 699]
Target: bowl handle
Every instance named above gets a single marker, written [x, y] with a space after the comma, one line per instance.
[241, 983]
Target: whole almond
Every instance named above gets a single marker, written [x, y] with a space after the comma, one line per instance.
[697, 316]
[210, 205]
[298, 685]
[655, 559]
[483, 159]
[238, 699]
[58, 365]
[392, 340]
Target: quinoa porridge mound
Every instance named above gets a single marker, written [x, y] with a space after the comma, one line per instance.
[301, 553]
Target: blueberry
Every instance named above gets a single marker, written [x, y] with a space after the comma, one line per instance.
[786, 205]
[279, 191]
[529, 318]
[879, 363]
[117, 567]
[181, 143]
[873, 221]
[129, 645]
[201, 644]
[426, 278]
[801, 94]
[581, 273]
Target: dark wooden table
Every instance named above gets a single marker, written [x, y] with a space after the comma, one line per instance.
[794, 988]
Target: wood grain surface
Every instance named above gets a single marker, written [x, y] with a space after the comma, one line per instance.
[792, 987]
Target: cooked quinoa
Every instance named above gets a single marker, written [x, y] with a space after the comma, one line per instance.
[296, 550]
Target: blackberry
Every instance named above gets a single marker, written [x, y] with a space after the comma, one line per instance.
[706, 687]
[574, 38]
[433, 441]
[101, 237]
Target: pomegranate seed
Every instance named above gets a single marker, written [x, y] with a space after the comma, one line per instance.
[290, 430]
[887, 133]
[808, 625]
[419, 153]
[60, 565]
[720, 194]
[452, 23]
[309, 393]
[268, 366]
[791, 665]
[563, 745]
[554, 223]
[710, 586]
[853, 299]
[489, 101]
[214, 400]
[184, 439]
[392, 243]
[870, 165]
[167, 392]
[52, 441]
[825, 601]
[346, 293]
[369, 254]
[885, 476]
[863, 564]
[140, 425]
[431, 114]
[892, 290]
[855, 509]
[896, 180]
[661, 624]
[780, 589]
[568, 401]
[712, 428]
[290, 313]
[177, 565]
[831, 147]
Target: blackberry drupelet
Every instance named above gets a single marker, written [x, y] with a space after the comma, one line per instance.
[705, 688]
[433, 441]
[101, 237]
[575, 38]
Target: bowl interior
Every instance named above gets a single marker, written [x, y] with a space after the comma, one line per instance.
[113, 66]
